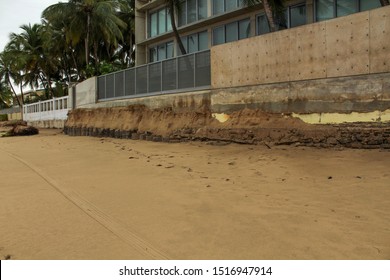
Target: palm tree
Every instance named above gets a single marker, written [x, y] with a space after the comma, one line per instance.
[5, 95]
[126, 52]
[70, 55]
[92, 20]
[8, 74]
[173, 7]
[272, 8]
[39, 65]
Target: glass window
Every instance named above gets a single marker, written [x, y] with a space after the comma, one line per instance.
[153, 55]
[231, 32]
[366, 5]
[202, 9]
[170, 50]
[203, 41]
[169, 25]
[218, 7]
[182, 20]
[191, 11]
[162, 53]
[244, 29]
[230, 5]
[192, 43]
[262, 25]
[185, 44]
[298, 15]
[324, 9]
[153, 24]
[162, 19]
[346, 7]
[218, 35]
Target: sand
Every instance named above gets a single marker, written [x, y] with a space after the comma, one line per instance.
[67, 197]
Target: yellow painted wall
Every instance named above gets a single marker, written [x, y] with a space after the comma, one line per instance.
[14, 116]
[352, 45]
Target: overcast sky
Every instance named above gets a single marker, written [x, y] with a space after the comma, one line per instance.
[14, 13]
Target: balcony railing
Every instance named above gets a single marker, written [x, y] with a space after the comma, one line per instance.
[53, 109]
[185, 73]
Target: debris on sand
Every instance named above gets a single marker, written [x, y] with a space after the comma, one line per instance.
[17, 128]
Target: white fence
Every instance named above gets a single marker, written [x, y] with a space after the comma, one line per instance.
[53, 109]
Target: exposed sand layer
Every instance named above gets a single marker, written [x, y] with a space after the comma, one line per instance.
[92, 198]
[245, 126]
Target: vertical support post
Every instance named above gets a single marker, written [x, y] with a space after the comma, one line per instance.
[135, 81]
[194, 68]
[114, 84]
[147, 78]
[161, 77]
[124, 82]
[40, 109]
[105, 86]
[177, 72]
[54, 107]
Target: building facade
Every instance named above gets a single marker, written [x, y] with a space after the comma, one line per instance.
[206, 23]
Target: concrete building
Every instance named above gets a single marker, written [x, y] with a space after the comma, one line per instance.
[329, 65]
[206, 23]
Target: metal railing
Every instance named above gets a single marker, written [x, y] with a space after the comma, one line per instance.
[183, 73]
[53, 109]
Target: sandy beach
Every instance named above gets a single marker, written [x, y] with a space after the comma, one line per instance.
[65, 197]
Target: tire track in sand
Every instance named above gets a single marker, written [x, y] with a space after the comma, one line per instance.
[140, 245]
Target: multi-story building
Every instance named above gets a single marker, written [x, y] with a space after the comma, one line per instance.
[206, 23]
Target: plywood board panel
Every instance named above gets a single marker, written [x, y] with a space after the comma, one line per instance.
[221, 66]
[262, 45]
[380, 40]
[347, 45]
[308, 52]
[274, 64]
[236, 63]
[245, 63]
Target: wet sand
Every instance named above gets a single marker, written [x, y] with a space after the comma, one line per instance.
[67, 197]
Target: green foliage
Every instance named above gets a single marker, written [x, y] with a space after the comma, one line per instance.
[3, 117]
[77, 39]
[5, 95]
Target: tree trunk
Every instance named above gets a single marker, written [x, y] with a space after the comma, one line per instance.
[75, 63]
[14, 93]
[174, 28]
[385, 2]
[130, 53]
[87, 40]
[95, 49]
[21, 93]
[269, 15]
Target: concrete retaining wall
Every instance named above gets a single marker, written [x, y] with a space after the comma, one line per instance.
[352, 45]
[84, 94]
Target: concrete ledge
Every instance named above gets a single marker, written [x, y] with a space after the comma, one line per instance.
[195, 101]
[360, 94]
[48, 124]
